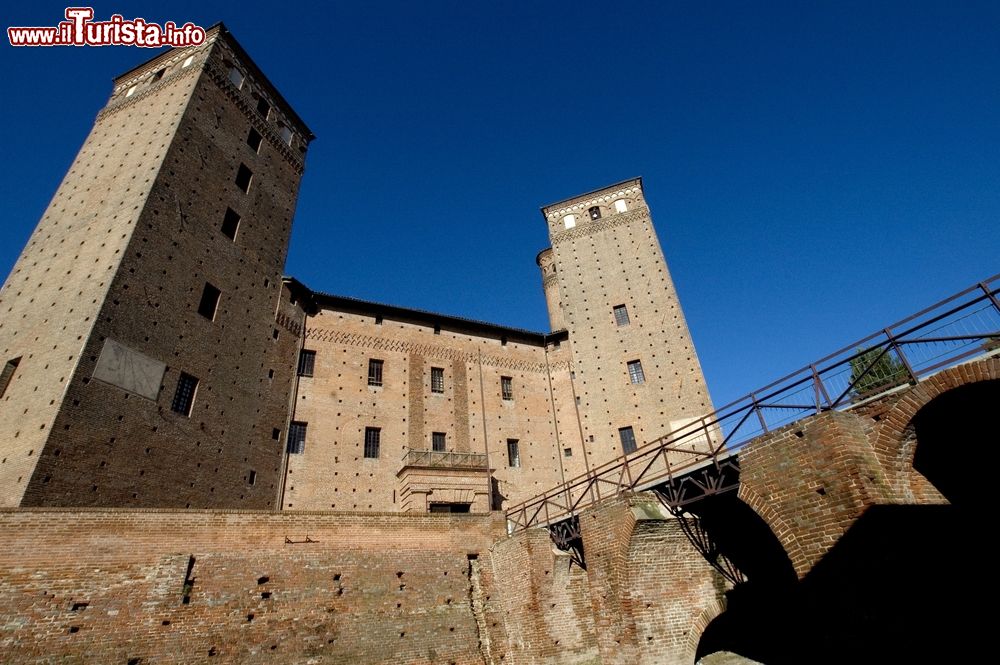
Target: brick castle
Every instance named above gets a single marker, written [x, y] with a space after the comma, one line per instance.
[156, 356]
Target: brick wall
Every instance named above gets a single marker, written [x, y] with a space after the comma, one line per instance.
[348, 589]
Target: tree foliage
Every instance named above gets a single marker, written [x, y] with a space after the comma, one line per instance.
[886, 370]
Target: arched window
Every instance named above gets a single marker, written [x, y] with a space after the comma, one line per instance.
[595, 212]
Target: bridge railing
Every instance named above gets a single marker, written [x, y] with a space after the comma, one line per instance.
[960, 327]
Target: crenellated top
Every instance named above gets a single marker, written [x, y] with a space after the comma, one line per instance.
[222, 58]
[598, 204]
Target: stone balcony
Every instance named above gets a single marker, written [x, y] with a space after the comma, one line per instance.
[444, 481]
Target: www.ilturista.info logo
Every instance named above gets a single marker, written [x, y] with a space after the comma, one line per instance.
[79, 29]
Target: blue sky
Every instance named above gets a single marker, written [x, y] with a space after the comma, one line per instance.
[816, 170]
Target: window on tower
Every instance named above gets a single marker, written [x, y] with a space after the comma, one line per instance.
[243, 177]
[437, 379]
[621, 315]
[230, 224]
[620, 205]
[307, 362]
[594, 212]
[513, 453]
[437, 442]
[569, 221]
[209, 301]
[236, 77]
[187, 386]
[297, 438]
[373, 441]
[635, 374]
[254, 139]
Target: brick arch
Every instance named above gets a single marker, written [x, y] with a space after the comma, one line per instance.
[783, 532]
[708, 614]
[895, 441]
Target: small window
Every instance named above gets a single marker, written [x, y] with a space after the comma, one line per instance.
[507, 387]
[254, 139]
[437, 442]
[285, 133]
[620, 205]
[157, 76]
[374, 372]
[230, 223]
[569, 221]
[263, 107]
[8, 374]
[513, 454]
[567, 452]
[209, 302]
[252, 478]
[187, 386]
[635, 374]
[187, 63]
[373, 436]
[595, 212]
[131, 91]
[307, 362]
[297, 438]
[243, 178]
[437, 380]
[236, 77]
[621, 315]
[628, 439]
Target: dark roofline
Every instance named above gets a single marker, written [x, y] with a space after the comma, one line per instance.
[593, 191]
[245, 57]
[317, 300]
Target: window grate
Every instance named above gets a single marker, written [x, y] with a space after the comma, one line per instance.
[635, 374]
[307, 362]
[507, 387]
[374, 372]
[187, 385]
[513, 453]
[437, 379]
[621, 315]
[373, 436]
[297, 438]
[438, 442]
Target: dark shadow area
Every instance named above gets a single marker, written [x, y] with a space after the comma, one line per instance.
[905, 584]
[953, 430]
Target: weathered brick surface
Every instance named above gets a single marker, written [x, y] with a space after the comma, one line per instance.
[128, 244]
[810, 480]
[109, 586]
[338, 404]
[597, 265]
[546, 602]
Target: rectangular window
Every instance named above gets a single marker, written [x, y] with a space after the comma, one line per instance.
[373, 436]
[437, 380]
[209, 302]
[252, 478]
[513, 454]
[437, 441]
[187, 386]
[8, 374]
[187, 63]
[507, 387]
[307, 362]
[374, 372]
[297, 438]
[243, 178]
[263, 107]
[635, 374]
[628, 439]
[236, 76]
[230, 223]
[157, 76]
[567, 452]
[254, 139]
[286, 134]
[621, 315]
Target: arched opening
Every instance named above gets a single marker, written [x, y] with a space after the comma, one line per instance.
[745, 630]
[953, 431]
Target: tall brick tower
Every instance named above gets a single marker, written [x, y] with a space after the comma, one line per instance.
[636, 376]
[149, 353]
